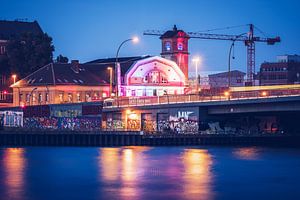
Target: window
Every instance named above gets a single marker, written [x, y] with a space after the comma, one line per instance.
[168, 46]
[88, 97]
[70, 97]
[33, 98]
[47, 97]
[155, 77]
[61, 97]
[21, 97]
[27, 98]
[78, 97]
[164, 79]
[2, 50]
[40, 98]
[180, 46]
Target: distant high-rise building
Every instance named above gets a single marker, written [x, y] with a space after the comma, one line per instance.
[285, 71]
[175, 48]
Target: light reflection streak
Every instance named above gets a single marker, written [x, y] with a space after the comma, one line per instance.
[247, 153]
[109, 162]
[124, 165]
[197, 175]
[14, 167]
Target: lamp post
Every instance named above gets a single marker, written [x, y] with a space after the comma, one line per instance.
[229, 58]
[117, 65]
[110, 80]
[196, 60]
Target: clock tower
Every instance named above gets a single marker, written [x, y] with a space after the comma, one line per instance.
[175, 48]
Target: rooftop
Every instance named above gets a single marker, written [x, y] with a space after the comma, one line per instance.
[93, 73]
[174, 33]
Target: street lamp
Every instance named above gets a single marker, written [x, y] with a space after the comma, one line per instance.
[14, 76]
[229, 57]
[117, 65]
[110, 80]
[196, 60]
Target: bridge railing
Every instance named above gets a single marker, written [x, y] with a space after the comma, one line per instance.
[172, 99]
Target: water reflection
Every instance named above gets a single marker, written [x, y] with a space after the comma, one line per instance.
[247, 153]
[197, 175]
[109, 162]
[14, 168]
[123, 166]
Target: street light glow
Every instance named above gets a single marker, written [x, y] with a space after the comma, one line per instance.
[14, 76]
[226, 93]
[135, 39]
[196, 59]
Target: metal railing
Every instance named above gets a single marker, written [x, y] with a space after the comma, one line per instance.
[193, 98]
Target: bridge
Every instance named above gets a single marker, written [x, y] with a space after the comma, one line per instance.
[268, 108]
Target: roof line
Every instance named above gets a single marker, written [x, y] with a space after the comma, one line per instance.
[32, 73]
[53, 74]
[132, 59]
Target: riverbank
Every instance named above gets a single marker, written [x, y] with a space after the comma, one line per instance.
[105, 138]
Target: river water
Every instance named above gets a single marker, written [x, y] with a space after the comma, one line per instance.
[50, 173]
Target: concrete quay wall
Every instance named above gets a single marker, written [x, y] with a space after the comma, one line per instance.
[102, 139]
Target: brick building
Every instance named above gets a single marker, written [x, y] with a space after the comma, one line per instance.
[285, 71]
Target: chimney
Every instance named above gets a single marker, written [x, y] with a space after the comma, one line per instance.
[75, 66]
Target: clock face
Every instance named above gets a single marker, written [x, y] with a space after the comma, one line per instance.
[180, 46]
[168, 46]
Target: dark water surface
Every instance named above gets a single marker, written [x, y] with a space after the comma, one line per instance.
[50, 173]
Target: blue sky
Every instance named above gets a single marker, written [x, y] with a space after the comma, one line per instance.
[92, 29]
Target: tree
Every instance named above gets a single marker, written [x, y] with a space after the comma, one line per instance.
[29, 52]
[62, 59]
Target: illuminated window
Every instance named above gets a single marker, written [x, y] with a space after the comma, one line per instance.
[47, 97]
[164, 79]
[27, 98]
[168, 46]
[78, 97]
[61, 97]
[21, 97]
[88, 97]
[180, 46]
[155, 77]
[33, 97]
[70, 97]
[40, 98]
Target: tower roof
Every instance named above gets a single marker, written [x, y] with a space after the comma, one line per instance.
[174, 33]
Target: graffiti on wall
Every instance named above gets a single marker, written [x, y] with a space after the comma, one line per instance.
[179, 120]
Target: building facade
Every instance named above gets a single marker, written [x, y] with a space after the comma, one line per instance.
[58, 83]
[285, 71]
[220, 80]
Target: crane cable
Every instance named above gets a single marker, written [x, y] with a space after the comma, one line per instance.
[224, 28]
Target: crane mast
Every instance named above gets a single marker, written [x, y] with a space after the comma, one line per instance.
[248, 38]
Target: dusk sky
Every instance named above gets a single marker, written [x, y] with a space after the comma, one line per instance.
[91, 29]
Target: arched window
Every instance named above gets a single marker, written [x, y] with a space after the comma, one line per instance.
[155, 77]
